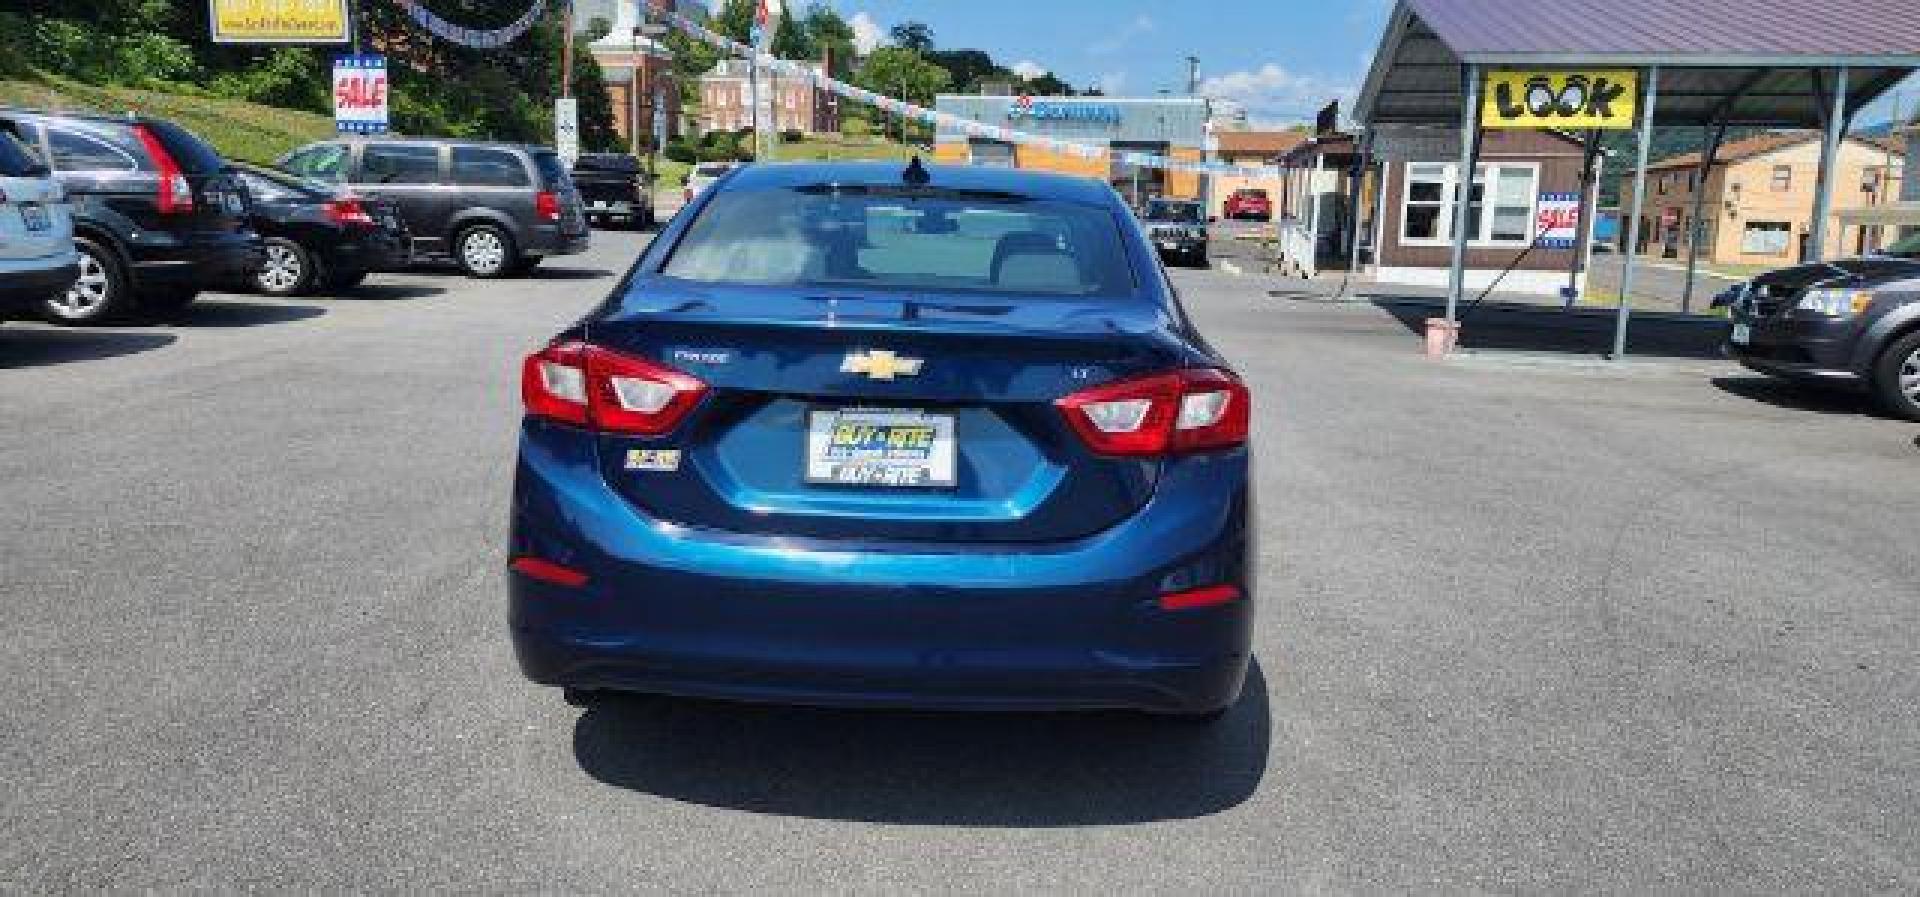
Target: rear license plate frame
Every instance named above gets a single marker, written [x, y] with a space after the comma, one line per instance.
[34, 217]
[936, 469]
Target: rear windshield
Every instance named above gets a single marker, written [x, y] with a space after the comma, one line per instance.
[711, 171]
[903, 238]
[1261, 194]
[192, 154]
[16, 158]
[553, 172]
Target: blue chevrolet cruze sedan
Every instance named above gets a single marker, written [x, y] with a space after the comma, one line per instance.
[888, 436]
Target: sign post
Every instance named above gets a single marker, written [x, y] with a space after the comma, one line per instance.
[278, 21]
[566, 129]
[360, 94]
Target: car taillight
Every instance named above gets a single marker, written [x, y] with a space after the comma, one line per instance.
[586, 385]
[176, 195]
[348, 211]
[546, 205]
[1191, 410]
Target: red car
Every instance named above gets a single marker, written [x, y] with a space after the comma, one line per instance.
[1250, 203]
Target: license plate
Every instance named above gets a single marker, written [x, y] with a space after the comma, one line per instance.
[1742, 334]
[234, 203]
[880, 447]
[35, 217]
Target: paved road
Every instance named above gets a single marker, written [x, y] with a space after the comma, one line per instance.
[1525, 627]
[1657, 283]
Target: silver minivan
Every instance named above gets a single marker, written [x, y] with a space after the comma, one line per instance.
[37, 257]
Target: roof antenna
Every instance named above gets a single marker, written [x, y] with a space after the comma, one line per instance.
[916, 174]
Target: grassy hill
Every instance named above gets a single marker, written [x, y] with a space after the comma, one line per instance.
[240, 130]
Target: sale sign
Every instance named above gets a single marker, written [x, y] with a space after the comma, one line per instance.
[1558, 221]
[360, 94]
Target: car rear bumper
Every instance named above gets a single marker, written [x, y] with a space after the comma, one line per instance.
[676, 610]
[548, 239]
[196, 259]
[24, 284]
[377, 254]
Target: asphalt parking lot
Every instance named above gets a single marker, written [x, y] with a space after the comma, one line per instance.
[1525, 626]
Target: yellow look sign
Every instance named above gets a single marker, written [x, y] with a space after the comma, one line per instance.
[279, 21]
[1578, 100]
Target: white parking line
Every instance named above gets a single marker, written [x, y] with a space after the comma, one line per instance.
[1230, 267]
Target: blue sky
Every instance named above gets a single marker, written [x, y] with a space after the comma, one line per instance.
[1281, 59]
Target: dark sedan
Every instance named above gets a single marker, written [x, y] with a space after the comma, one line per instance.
[319, 236]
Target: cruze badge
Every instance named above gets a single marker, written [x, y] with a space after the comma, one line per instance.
[880, 364]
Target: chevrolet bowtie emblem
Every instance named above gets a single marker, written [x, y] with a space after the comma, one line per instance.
[880, 364]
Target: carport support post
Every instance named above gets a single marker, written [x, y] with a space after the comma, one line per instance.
[1362, 161]
[1829, 166]
[1716, 132]
[1589, 157]
[1647, 98]
[1463, 190]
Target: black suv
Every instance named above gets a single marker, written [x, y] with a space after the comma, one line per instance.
[496, 208]
[1849, 322]
[1178, 229]
[614, 185]
[156, 215]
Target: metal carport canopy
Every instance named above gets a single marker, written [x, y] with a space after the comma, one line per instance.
[1733, 62]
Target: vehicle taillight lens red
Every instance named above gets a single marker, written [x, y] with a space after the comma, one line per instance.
[348, 211]
[176, 195]
[546, 205]
[589, 386]
[1190, 410]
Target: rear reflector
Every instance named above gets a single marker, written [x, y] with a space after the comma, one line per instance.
[548, 571]
[176, 195]
[1210, 596]
[1189, 410]
[586, 385]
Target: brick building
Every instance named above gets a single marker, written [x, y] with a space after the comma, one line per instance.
[787, 104]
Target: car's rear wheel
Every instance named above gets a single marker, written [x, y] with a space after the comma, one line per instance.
[485, 250]
[1896, 376]
[287, 270]
[98, 295]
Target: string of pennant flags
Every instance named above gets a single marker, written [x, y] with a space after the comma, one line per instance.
[477, 38]
[949, 121]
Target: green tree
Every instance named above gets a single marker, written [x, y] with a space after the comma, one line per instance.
[903, 73]
[735, 20]
[916, 36]
[831, 34]
[791, 40]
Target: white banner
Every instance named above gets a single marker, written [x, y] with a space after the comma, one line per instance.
[360, 94]
[478, 38]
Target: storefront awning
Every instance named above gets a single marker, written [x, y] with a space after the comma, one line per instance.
[1894, 213]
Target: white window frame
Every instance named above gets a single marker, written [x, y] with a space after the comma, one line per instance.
[1450, 193]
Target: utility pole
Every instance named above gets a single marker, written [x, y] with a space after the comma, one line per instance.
[566, 50]
[356, 23]
[634, 71]
[1193, 75]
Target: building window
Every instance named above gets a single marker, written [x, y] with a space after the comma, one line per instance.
[1427, 210]
[1693, 181]
[1870, 179]
[1782, 178]
[1660, 185]
[1766, 237]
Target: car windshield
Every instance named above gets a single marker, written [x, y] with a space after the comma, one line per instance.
[904, 238]
[16, 158]
[1182, 212]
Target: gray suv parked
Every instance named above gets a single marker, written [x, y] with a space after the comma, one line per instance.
[495, 208]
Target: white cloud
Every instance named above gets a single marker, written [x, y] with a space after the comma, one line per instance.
[866, 33]
[1028, 69]
[1113, 42]
[1274, 94]
[1112, 83]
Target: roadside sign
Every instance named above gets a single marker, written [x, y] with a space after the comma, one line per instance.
[360, 94]
[278, 21]
[1603, 99]
[566, 129]
[659, 119]
[1558, 221]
